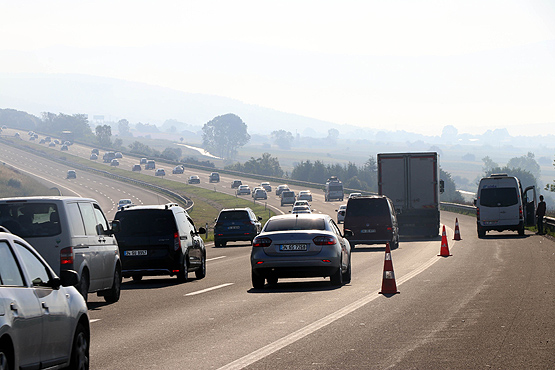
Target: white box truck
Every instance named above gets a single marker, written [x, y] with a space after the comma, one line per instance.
[411, 181]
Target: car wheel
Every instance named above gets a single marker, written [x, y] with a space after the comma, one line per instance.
[5, 359]
[257, 281]
[272, 280]
[183, 274]
[112, 294]
[80, 349]
[337, 278]
[347, 274]
[137, 277]
[201, 272]
[521, 231]
[481, 232]
[83, 285]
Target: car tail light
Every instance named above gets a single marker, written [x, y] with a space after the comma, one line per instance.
[262, 242]
[478, 213]
[176, 241]
[66, 256]
[520, 212]
[324, 240]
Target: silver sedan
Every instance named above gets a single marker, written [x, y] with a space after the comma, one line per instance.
[303, 245]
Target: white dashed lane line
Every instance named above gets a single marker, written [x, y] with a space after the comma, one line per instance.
[208, 289]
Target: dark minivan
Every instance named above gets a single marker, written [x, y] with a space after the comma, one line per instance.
[160, 240]
[371, 220]
[236, 224]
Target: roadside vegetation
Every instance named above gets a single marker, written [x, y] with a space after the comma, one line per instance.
[15, 184]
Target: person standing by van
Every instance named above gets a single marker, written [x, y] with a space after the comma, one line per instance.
[540, 213]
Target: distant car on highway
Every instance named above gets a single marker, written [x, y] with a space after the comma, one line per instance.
[143, 161]
[243, 190]
[260, 194]
[214, 177]
[136, 167]
[124, 202]
[301, 203]
[52, 144]
[150, 165]
[281, 188]
[71, 174]
[353, 195]
[64, 147]
[119, 155]
[160, 172]
[177, 170]
[193, 179]
[305, 195]
[300, 246]
[160, 240]
[95, 151]
[287, 197]
[93, 156]
[43, 318]
[236, 183]
[236, 224]
[300, 210]
[114, 162]
[341, 213]
[266, 186]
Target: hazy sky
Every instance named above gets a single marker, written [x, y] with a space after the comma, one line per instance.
[416, 65]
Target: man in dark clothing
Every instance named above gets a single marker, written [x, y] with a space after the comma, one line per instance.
[540, 213]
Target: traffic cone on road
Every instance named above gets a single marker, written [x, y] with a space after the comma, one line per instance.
[388, 281]
[457, 231]
[444, 252]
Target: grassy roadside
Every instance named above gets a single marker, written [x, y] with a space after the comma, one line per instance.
[208, 203]
[16, 184]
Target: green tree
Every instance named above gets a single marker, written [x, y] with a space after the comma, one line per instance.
[450, 193]
[488, 164]
[172, 154]
[526, 162]
[124, 129]
[139, 148]
[78, 124]
[223, 135]
[282, 138]
[103, 135]
[265, 165]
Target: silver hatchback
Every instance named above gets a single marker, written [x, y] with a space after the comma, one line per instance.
[302, 245]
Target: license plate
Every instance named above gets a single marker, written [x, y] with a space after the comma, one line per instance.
[233, 227]
[490, 222]
[135, 253]
[368, 231]
[293, 247]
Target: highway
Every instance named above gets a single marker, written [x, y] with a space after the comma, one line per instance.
[489, 305]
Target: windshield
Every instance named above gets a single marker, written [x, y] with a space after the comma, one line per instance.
[30, 219]
[155, 222]
[295, 223]
[498, 197]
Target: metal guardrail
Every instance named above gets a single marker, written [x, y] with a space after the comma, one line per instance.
[187, 202]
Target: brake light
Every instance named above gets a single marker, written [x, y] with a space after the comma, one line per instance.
[66, 256]
[324, 240]
[520, 211]
[176, 241]
[262, 242]
[478, 213]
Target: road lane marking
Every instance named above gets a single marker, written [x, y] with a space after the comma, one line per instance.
[209, 289]
[94, 320]
[318, 324]
[215, 258]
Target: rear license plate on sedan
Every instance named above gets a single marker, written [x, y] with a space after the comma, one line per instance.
[293, 247]
[135, 253]
[368, 231]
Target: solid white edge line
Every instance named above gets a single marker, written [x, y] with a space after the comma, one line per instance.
[208, 289]
[311, 328]
[215, 258]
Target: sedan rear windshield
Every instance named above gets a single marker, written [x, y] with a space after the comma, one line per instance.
[498, 197]
[155, 222]
[30, 220]
[295, 223]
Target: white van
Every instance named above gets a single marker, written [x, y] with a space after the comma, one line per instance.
[500, 205]
[70, 233]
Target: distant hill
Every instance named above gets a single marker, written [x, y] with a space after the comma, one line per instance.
[138, 102]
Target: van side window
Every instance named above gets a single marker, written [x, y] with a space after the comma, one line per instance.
[75, 220]
[100, 219]
[89, 219]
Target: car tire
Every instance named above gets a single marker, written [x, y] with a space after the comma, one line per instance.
[112, 295]
[80, 349]
[337, 278]
[347, 274]
[83, 285]
[137, 278]
[200, 273]
[481, 232]
[272, 280]
[257, 280]
[183, 274]
[521, 231]
[6, 361]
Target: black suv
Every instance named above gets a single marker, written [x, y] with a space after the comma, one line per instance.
[160, 240]
[236, 224]
[236, 183]
[214, 177]
[371, 220]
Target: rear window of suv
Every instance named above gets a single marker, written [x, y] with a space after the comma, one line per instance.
[361, 207]
[233, 216]
[498, 197]
[155, 222]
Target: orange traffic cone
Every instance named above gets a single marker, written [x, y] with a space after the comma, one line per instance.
[444, 252]
[457, 231]
[388, 281]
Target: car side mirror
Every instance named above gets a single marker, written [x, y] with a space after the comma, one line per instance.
[68, 278]
[475, 201]
[348, 232]
[201, 230]
[259, 218]
[116, 227]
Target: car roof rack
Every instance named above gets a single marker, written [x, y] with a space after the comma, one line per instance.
[169, 205]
